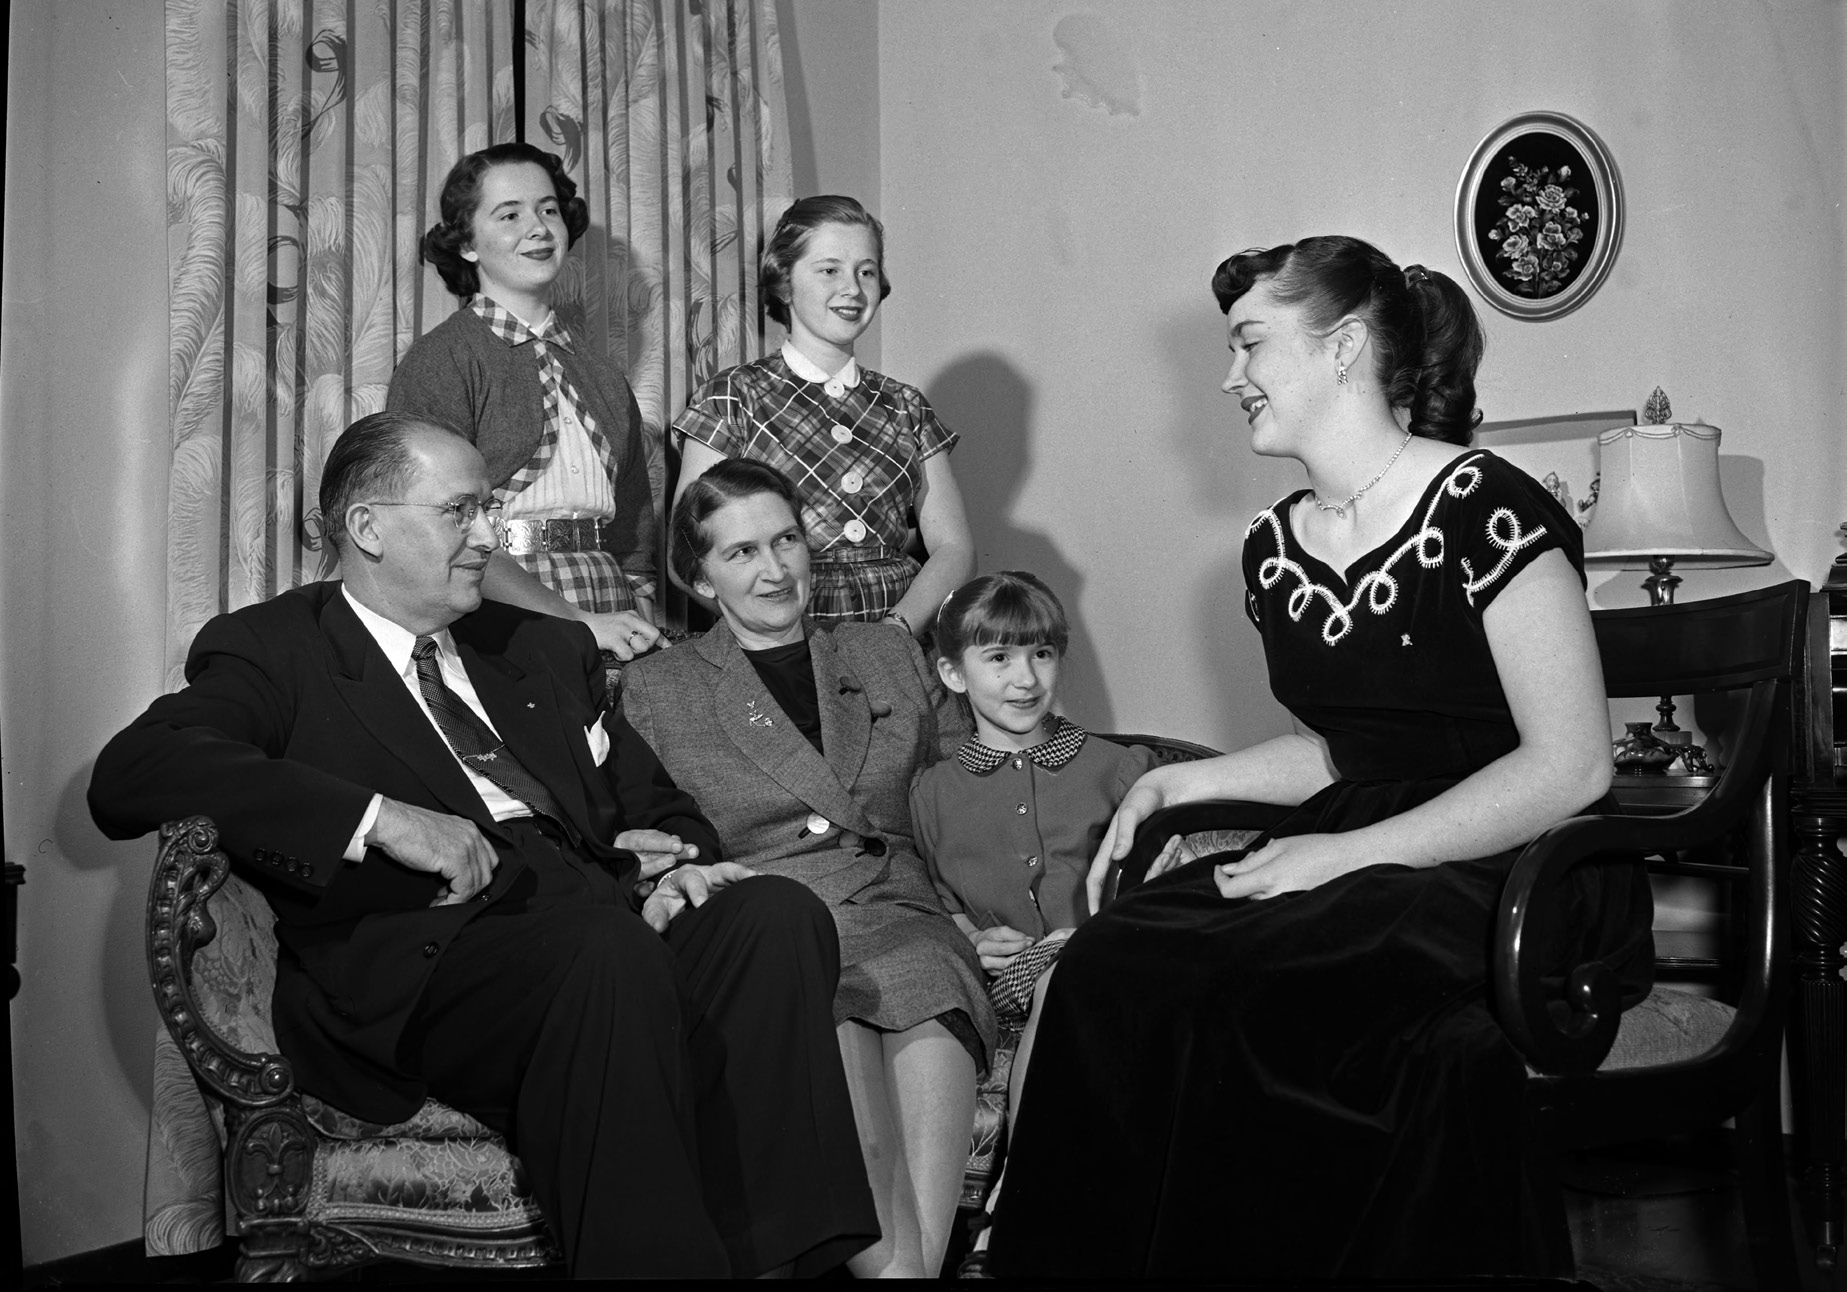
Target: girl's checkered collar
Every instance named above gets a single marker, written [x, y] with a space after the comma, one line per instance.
[1066, 739]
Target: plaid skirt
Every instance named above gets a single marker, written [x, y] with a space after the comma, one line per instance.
[590, 581]
[864, 591]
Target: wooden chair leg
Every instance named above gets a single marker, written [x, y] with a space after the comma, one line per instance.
[1763, 1178]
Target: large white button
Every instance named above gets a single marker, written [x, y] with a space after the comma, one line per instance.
[818, 824]
[841, 434]
[855, 530]
[835, 387]
[852, 482]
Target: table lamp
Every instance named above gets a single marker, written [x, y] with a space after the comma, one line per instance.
[1659, 505]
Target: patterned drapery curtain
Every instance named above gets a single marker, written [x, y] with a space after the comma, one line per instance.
[671, 117]
[306, 146]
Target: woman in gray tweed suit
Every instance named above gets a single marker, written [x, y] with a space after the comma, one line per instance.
[799, 743]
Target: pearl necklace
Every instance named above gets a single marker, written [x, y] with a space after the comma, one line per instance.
[1340, 508]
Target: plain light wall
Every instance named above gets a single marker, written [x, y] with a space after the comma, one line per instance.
[1053, 234]
[83, 476]
[830, 68]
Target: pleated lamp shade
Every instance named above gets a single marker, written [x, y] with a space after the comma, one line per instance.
[1659, 497]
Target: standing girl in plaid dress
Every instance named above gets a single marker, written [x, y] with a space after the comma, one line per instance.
[557, 423]
[867, 453]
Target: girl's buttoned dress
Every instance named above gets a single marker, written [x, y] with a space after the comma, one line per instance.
[1009, 837]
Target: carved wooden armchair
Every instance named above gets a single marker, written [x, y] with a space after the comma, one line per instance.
[1678, 1061]
[989, 1143]
[310, 1189]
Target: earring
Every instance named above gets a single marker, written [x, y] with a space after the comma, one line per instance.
[1340, 375]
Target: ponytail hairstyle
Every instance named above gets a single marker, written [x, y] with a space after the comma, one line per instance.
[793, 231]
[1011, 608]
[449, 237]
[1426, 340]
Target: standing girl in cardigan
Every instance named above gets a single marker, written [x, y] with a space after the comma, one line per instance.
[558, 424]
[867, 453]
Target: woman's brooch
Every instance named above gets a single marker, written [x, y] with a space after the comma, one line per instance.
[758, 718]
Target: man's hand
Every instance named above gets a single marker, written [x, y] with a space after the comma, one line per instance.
[449, 846]
[657, 849]
[623, 632]
[689, 886]
[999, 945]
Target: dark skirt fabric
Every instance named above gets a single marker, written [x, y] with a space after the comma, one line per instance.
[1306, 1086]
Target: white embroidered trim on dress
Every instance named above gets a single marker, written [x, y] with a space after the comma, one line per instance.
[1378, 587]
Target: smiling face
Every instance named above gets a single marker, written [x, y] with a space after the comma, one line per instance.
[518, 237]
[425, 573]
[757, 570]
[833, 292]
[1282, 375]
[1010, 688]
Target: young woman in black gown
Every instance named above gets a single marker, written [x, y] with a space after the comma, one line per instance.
[1280, 1062]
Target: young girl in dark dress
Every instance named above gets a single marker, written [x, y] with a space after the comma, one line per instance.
[1279, 1062]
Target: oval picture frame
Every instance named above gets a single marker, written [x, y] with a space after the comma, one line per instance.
[1539, 215]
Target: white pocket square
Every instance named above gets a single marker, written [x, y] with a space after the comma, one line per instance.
[599, 742]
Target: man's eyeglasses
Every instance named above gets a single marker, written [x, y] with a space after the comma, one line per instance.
[462, 512]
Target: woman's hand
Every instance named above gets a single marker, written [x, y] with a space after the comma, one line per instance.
[623, 632]
[1293, 865]
[1144, 798]
[657, 849]
[999, 945]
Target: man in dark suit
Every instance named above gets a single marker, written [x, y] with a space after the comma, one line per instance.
[458, 843]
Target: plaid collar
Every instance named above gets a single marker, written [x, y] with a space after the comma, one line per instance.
[1066, 739]
[513, 329]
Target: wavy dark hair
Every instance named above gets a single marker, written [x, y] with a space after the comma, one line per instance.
[1008, 608]
[371, 459]
[688, 537]
[1427, 341]
[790, 240]
[443, 245]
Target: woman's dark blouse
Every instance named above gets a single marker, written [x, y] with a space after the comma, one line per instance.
[787, 673]
[1391, 664]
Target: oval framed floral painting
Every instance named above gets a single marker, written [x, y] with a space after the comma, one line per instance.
[1539, 215]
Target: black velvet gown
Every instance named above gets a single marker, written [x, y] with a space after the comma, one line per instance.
[1313, 1085]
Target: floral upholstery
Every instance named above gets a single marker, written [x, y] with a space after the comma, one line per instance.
[1668, 1027]
[440, 1171]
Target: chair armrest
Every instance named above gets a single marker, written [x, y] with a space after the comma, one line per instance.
[1191, 818]
[1565, 1026]
[188, 870]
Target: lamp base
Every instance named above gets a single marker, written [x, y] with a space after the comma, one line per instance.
[1661, 581]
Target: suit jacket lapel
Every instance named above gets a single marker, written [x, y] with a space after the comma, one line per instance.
[745, 712]
[846, 710]
[383, 706]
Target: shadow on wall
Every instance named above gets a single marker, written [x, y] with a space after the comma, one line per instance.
[988, 400]
[126, 999]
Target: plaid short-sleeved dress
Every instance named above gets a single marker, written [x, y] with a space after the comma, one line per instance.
[856, 454]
